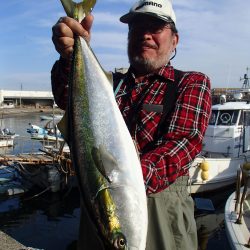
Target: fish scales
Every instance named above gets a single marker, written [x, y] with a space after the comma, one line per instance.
[103, 153]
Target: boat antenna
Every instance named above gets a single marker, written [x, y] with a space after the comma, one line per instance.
[245, 80]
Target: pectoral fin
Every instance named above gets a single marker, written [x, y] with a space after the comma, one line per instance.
[104, 161]
[63, 127]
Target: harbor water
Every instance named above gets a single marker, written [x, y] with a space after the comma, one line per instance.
[50, 221]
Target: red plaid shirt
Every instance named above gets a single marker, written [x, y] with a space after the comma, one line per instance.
[171, 154]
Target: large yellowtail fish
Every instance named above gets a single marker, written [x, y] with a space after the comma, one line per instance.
[103, 153]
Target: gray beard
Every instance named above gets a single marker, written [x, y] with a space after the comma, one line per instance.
[146, 65]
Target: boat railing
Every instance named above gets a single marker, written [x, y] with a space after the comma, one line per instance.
[243, 178]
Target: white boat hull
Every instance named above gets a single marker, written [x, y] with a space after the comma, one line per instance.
[6, 142]
[221, 173]
[47, 138]
[51, 117]
[226, 145]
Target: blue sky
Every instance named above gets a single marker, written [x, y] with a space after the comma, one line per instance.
[214, 39]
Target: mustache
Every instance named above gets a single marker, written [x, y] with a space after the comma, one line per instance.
[146, 44]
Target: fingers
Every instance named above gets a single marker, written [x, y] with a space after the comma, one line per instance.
[87, 24]
[69, 26]
[64, 46]
[64, 30]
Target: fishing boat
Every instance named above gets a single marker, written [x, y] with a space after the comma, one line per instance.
[226, 143]
[50, 117]
[49, 132]
[6, 141]
[6, 135]
[237, 212]
[7, 138]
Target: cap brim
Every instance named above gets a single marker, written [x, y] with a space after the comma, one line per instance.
[127, 18]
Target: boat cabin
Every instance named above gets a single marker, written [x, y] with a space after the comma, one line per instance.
[228, 132]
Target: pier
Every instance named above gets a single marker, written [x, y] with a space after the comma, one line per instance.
[45, 157]
[47, 168]
[31, 159]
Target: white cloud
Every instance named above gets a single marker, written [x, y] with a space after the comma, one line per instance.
[112, 61]
[107, 18]
[214, 38]
[110, 40]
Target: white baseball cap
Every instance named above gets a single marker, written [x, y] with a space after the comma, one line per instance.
[161, 9]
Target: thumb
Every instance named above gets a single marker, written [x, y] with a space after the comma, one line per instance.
[87, 22]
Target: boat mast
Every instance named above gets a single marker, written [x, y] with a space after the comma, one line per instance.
[245, 80]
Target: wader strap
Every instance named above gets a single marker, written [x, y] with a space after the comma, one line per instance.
[118, 87]
[169, 100]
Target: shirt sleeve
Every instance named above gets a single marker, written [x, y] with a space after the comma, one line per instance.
[182, 142]
[59, 82]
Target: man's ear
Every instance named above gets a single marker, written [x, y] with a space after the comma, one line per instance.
[175, 40]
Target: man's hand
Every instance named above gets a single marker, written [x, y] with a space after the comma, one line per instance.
[63, 34]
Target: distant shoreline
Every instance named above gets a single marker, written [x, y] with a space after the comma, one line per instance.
[10, 112]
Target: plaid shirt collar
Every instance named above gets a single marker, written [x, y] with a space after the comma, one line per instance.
[166, 72]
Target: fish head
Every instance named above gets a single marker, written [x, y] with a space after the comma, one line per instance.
[118, 241]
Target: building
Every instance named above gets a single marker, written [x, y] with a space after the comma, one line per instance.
[12, 98]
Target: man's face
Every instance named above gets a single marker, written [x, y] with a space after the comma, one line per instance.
[150, 43]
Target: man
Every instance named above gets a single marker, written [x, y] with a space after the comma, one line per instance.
[166, 111]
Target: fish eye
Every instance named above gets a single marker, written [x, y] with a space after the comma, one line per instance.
[120, 242]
